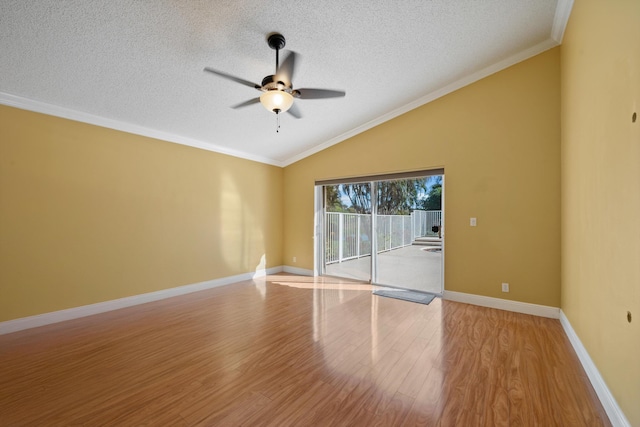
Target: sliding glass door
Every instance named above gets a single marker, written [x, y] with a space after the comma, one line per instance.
[385, 231]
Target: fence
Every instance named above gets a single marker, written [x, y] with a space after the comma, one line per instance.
[423, 222]
[347, 234]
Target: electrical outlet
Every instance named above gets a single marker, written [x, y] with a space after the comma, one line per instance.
[295, 259]
[505, 287]
[473, 222]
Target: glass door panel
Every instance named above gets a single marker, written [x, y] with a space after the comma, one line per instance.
[409, 233]
[402, 219]
[347, 230]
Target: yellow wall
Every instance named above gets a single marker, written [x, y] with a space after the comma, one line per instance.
[499, 142]
[89, 214]
[601, 190]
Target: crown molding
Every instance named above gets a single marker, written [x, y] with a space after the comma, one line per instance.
[560, 20]
[465, 81]
[79, 116]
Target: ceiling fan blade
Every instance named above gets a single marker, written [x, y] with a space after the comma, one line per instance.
[286, 69]
[233, 78]
[295, 111]
[318, 93]
[247, 103]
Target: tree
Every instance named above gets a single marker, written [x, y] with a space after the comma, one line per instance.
[359, 195]
[332, 198]
[397, 197]
[401, 196]
[433, 202]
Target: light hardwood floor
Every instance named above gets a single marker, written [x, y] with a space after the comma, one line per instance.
[291, 350]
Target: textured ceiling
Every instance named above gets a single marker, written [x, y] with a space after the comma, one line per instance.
[138, 65]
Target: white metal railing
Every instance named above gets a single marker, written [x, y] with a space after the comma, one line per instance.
[347, 234]
[423, 222]
[394, 231]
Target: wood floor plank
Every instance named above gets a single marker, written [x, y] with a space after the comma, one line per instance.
[396, 411]
[291, 350]
[415, 379]
[396, 376]
[328, 413]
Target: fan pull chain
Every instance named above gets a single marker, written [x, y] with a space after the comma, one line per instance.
[277, 123]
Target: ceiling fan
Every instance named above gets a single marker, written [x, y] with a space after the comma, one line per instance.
[277, 89]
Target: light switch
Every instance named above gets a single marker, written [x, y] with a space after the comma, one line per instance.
[472, 222]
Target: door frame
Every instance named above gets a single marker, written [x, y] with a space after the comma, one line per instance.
[319, 215]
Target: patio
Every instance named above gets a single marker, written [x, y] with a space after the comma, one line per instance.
[411, 267]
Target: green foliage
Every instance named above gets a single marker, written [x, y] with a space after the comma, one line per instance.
[433, 202]
[398, 197]
[360, 196]
[332, 198]
[401, 196]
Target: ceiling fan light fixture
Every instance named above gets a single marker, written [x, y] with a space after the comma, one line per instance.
[277, 101]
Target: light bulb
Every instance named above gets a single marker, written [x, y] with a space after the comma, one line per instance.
[277, 101]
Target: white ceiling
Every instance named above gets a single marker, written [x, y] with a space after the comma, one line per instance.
[137, 65]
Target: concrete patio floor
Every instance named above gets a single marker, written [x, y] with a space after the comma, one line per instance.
[410, 267]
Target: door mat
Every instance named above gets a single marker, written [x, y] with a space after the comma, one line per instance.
[411, 296]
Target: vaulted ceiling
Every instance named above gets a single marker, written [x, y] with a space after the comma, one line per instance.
[138, 66]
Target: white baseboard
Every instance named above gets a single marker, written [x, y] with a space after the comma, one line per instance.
[503, 304]
[101, 307]
[615, 414]
[261, 273]
[298, 271]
